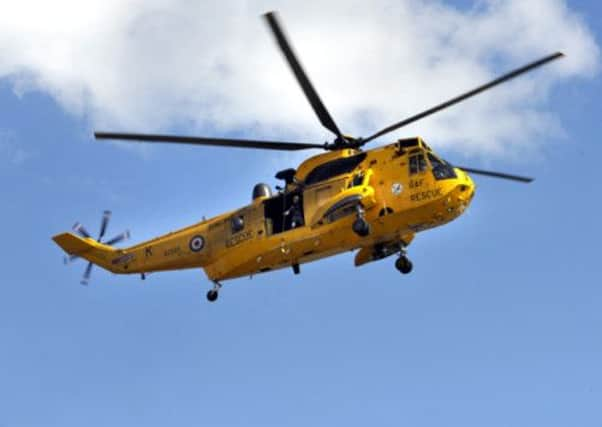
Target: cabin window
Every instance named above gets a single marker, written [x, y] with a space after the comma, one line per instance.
[358, 179]
[237, 223]
[417, 163]
[334, 168]
[441, 169]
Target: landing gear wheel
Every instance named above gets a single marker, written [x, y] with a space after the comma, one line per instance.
[403, 265]
[212, 295]
[361, 227]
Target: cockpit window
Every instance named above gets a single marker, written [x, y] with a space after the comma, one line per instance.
[441, 169]
[435, 162]
[417, 163]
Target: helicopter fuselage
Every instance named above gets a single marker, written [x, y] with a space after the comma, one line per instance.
[399, 189]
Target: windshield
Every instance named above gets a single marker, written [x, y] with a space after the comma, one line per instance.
[441, 169]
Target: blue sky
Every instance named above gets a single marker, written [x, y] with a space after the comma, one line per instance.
[498, 325]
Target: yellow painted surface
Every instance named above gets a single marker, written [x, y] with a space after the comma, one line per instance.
[397, 205]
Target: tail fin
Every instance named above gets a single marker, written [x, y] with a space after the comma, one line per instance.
[88, 249]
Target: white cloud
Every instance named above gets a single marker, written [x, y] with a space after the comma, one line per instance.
[214, 69]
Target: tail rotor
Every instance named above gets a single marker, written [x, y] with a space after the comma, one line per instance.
[81, 230]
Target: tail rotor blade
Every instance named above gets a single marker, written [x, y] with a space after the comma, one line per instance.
[106, 216]
[79, 228]
[119, 238]
[86, 279]
[69, 259]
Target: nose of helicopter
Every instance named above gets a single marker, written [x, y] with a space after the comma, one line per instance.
[460, 197]
[466, 188]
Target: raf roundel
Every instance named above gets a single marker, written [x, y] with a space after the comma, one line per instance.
[196, 243]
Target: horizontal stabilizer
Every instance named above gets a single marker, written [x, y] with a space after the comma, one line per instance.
[72, 244]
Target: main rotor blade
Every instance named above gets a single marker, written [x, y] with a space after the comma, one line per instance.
[106, 216]
[453, 101]
[218, 142]
[310, 93]
[497, 174]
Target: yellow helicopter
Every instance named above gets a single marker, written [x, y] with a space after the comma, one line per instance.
[344, 199]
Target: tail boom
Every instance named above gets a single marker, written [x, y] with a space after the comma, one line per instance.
[178, 250]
